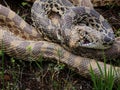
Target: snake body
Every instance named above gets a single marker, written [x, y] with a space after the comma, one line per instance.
[16, 45]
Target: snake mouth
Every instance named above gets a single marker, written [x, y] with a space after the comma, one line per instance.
[91, 41]
[85, 41]
[86, 37]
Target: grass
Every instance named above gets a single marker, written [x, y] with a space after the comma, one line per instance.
[106, 80]
[103, 82]
[117, 33]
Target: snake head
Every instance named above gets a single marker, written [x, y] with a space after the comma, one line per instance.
[86, 37]
[85, 27]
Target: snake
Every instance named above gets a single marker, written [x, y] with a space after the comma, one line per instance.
[20, 40]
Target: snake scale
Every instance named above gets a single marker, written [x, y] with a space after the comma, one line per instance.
[15, 45]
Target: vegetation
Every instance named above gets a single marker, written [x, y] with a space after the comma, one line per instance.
[106, 81]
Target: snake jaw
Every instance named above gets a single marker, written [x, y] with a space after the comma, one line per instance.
[83, 36]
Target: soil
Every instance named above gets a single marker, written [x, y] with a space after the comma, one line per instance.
[44, 75]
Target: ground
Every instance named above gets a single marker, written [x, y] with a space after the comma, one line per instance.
[44, 75]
